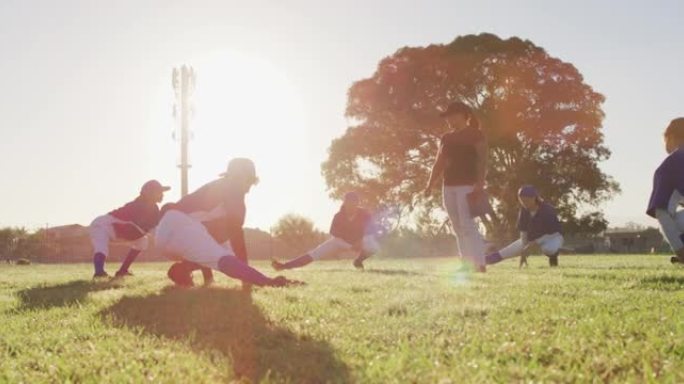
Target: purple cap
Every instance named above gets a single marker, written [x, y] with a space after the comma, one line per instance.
[153, 186]
[528, 191]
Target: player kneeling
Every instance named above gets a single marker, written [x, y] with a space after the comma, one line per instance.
[538, 224]
[205, 229]
[668, 190]
[353, 229]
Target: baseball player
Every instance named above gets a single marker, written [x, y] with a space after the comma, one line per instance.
[129, 224]
[204, 229]
[352, 229]
[461, 164]
[538, 225]
[668, 189]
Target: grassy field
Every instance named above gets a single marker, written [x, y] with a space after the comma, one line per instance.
[594, 319]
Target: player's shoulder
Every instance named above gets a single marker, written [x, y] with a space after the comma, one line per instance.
[675, 159]
[546, 207]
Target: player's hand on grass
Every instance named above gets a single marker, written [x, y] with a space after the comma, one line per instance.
[282, 281]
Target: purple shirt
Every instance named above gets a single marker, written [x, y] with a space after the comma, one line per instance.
[225, 207]
[143, 213]
[668, 178]
[352, 230]
[544, 222]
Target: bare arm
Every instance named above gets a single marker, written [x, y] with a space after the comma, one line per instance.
[482, 151]
[437, 169]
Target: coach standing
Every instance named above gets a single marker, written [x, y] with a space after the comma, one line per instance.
[462, 163]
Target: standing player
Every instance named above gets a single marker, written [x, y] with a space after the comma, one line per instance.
[204, 229]
[352, 229]
[462, 163]
[128, 224]
[538, 224]
[668, 189]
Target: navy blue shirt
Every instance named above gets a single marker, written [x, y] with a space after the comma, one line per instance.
[668, 178]
[221, 208]
[142, 213]
[461, 156]
[544, 222]
[352, 230]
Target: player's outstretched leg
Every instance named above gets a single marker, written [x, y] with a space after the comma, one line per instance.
[237, 269]
[130, 258]
[294, 263]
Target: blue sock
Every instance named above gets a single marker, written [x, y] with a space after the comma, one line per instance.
[237, 269]
[493, 258]
[99, 261]
[130, 258]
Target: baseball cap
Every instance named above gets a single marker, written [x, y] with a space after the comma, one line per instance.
[241, 166]
[456, 108]
[153, 186]
[528, 191]
[352, 197]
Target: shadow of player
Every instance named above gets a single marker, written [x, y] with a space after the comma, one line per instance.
[61, 295]
[227, 321]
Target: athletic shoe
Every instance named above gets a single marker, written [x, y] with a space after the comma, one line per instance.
[358, 263]
[180, 276]
[482, 269]
[277, 265]
[674, 260]
[553, 260]
[99, 275]
[123, 274]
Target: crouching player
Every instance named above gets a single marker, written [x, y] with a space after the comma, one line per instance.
[353, 229]
[195, 231]
[668, 189]
[129, 225]
[538, 224]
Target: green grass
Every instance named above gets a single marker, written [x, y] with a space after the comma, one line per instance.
[594, 319]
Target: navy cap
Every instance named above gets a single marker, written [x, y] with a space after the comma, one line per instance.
[528, 191]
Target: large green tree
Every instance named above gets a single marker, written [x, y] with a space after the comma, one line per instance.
[542, 121]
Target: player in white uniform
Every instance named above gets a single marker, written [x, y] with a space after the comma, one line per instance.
[128, 224]
[205, 229]
[352, 229]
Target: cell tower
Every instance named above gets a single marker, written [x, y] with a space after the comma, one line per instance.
[183, 82]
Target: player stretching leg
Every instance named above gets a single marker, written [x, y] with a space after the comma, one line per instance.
[538, 224]
[353, 229]
[668, 189]
[205, 228]
[128, 224]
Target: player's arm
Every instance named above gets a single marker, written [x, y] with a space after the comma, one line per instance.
[237, 242]
[335, 230]
[524, 238]
[482, 150]
[437, 168]
[671, 231]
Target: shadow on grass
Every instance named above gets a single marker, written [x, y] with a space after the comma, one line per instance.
[389, 272]
[228, 322]
[657, 282]
[62, 295]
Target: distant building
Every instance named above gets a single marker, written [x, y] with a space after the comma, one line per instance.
[635, 241]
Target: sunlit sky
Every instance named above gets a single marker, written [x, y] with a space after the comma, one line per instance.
[86, 97]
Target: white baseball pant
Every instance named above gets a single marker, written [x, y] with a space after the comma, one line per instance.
[101, 232]
[334, 246]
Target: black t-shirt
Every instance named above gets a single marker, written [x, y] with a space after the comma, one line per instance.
[461, 156]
